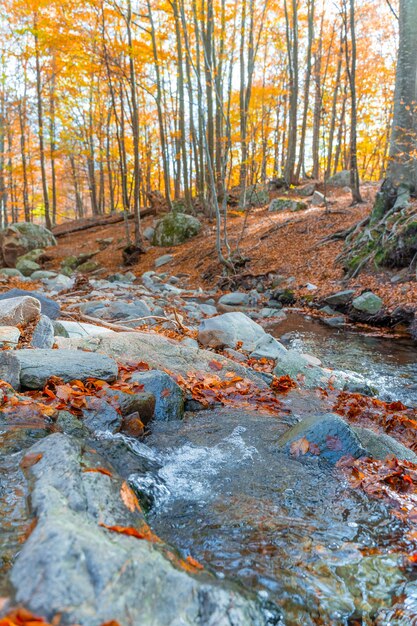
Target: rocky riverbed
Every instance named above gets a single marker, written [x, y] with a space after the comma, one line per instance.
[167, 460]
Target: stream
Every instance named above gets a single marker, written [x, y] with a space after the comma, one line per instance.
[217, 487]
[292, 530]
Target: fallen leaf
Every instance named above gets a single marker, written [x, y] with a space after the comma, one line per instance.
[99, 470]
[215, 365]
[333, 443]
[300, 447]
[30, 459]
[129, 498]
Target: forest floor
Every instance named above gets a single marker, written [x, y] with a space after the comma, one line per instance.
[284, 243]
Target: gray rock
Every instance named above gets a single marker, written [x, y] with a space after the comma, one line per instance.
[10, 368]
[43, 275]
[340, 179]
[318, 199]
[148, 233]
[128, 278]
[228, 330]
[43, 335]
[121, 310]
[208, 309]
[277, 314]
[169, 398]
[101, 416]
[334, 322]
[235, 298]
[269, 348]
[59, 283]
[300, 369]
[68, 328]
[20, 238]
[368, 303]
[142, 403]
[88, 267]
[175, 228]
[163, 260]
[19, 310]
[160, 353]
[332, 437]
[37, 366]
[328, 310]
[340, 298]
[381, 446]
[9, 336]
[48, 307]
[73, 566]
[10, 272]
[306, 190]
[286, 204]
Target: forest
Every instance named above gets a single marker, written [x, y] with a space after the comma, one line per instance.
[208, 313]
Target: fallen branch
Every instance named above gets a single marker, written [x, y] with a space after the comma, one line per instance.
[75, 226]
[111, 326]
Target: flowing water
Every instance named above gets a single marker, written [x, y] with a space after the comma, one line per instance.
[290, 529]
[218, 488]
[389, 365]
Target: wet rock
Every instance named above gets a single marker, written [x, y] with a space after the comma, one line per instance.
[19, 310]
[334, 322]
[169, 397]
[39, 365]
[331, 436]
[101, 416]
[9, 336]
[340, 298]
[286, 204]
[368, 303]
[10, 368]
[43, 335]
[381, 446]
[116, 577]
[269, 348]
[340, 179]
[228, 330]
[18, 239]
[175, 228]
[142, 403]
[48, 307]
[163, 260]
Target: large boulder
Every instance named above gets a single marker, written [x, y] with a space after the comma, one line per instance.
[229, 330]
[20, 310]
[48, 307]
[19, 239]
[162, 353]
[327, 436]
[37, 366]
[74, 563]
[340, 179]
[10, 368]
[175, 228]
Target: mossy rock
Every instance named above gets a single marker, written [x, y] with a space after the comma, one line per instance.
[175, 228]
[287, 204]
[88, 267]
[27, 267]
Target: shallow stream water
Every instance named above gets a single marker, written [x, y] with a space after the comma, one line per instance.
[290, 529]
